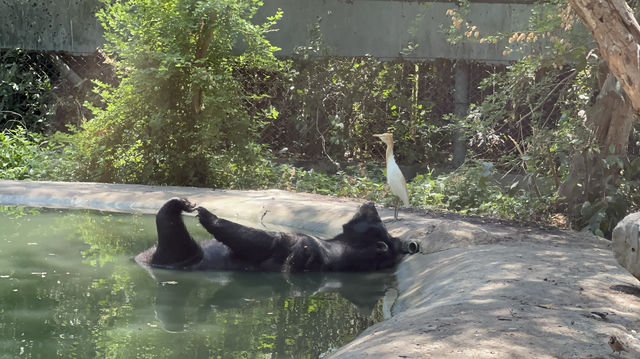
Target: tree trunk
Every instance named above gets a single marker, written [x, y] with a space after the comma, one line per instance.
[617, 35]
[610, 119]
[205, 36]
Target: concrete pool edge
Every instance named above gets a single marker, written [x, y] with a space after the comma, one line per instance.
[269, 207]
[477, 290]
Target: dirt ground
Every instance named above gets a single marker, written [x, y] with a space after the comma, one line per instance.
[488, 290]
[478, 289]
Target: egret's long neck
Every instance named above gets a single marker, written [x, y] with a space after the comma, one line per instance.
[389, 155]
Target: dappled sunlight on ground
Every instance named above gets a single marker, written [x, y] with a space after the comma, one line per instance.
[512, 300]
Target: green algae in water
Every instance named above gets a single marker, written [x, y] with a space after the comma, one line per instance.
[70, 289]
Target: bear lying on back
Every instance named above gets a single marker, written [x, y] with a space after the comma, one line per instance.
[363, 245]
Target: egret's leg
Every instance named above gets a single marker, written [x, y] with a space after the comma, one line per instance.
[395, 212]
[396, 208]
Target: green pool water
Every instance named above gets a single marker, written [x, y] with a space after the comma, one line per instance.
[69, 288]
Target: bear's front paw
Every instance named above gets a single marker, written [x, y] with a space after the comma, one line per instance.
[187, 206]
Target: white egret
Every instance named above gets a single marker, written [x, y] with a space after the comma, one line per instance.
[395, 179]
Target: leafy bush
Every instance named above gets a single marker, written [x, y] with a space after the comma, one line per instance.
[23, 155]
[536, 122]
[473, 189]
[621, 194]
[178, 115]
[350, 182]
[24, 90]
[345, 101]
[333, 105]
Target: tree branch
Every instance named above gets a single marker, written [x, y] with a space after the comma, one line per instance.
[205, 36]
[617, 35]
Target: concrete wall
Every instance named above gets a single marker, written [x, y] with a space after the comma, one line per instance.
[57, 25]
[381, 28]
[384, 28]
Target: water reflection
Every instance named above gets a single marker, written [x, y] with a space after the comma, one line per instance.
[69, 288]
[233, 290]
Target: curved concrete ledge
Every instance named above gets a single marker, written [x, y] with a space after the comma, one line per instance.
[268, 208]
[478, 290]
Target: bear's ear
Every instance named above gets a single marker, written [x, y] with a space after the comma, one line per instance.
[382, 247]
[366, 218]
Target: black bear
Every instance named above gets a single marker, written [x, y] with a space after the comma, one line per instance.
[363, 245]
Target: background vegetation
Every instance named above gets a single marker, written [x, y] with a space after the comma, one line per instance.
[198, 98]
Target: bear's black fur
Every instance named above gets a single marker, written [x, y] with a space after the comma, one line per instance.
[363, 245]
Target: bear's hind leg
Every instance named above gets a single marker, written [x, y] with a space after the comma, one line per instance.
[253, 244]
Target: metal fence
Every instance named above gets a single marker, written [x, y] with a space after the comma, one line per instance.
[328, 110]
[46, 91]
[337, 114]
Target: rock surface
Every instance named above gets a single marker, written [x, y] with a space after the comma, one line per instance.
[479, 289]
[626, 243]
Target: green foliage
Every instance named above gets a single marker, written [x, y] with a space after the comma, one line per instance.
[463, 190]
[23, 155]
[24, 90]
[332, 106]
[525, 122]
[364, 183]
[246, 168]
[473, 189]
[28, 155]
[621, 193]
[201, 100]
[532, 122]
[345, 101]
[178, 113]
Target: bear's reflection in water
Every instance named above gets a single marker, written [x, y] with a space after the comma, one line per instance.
[175, 306]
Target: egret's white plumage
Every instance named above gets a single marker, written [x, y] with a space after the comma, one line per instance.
[395, 178]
